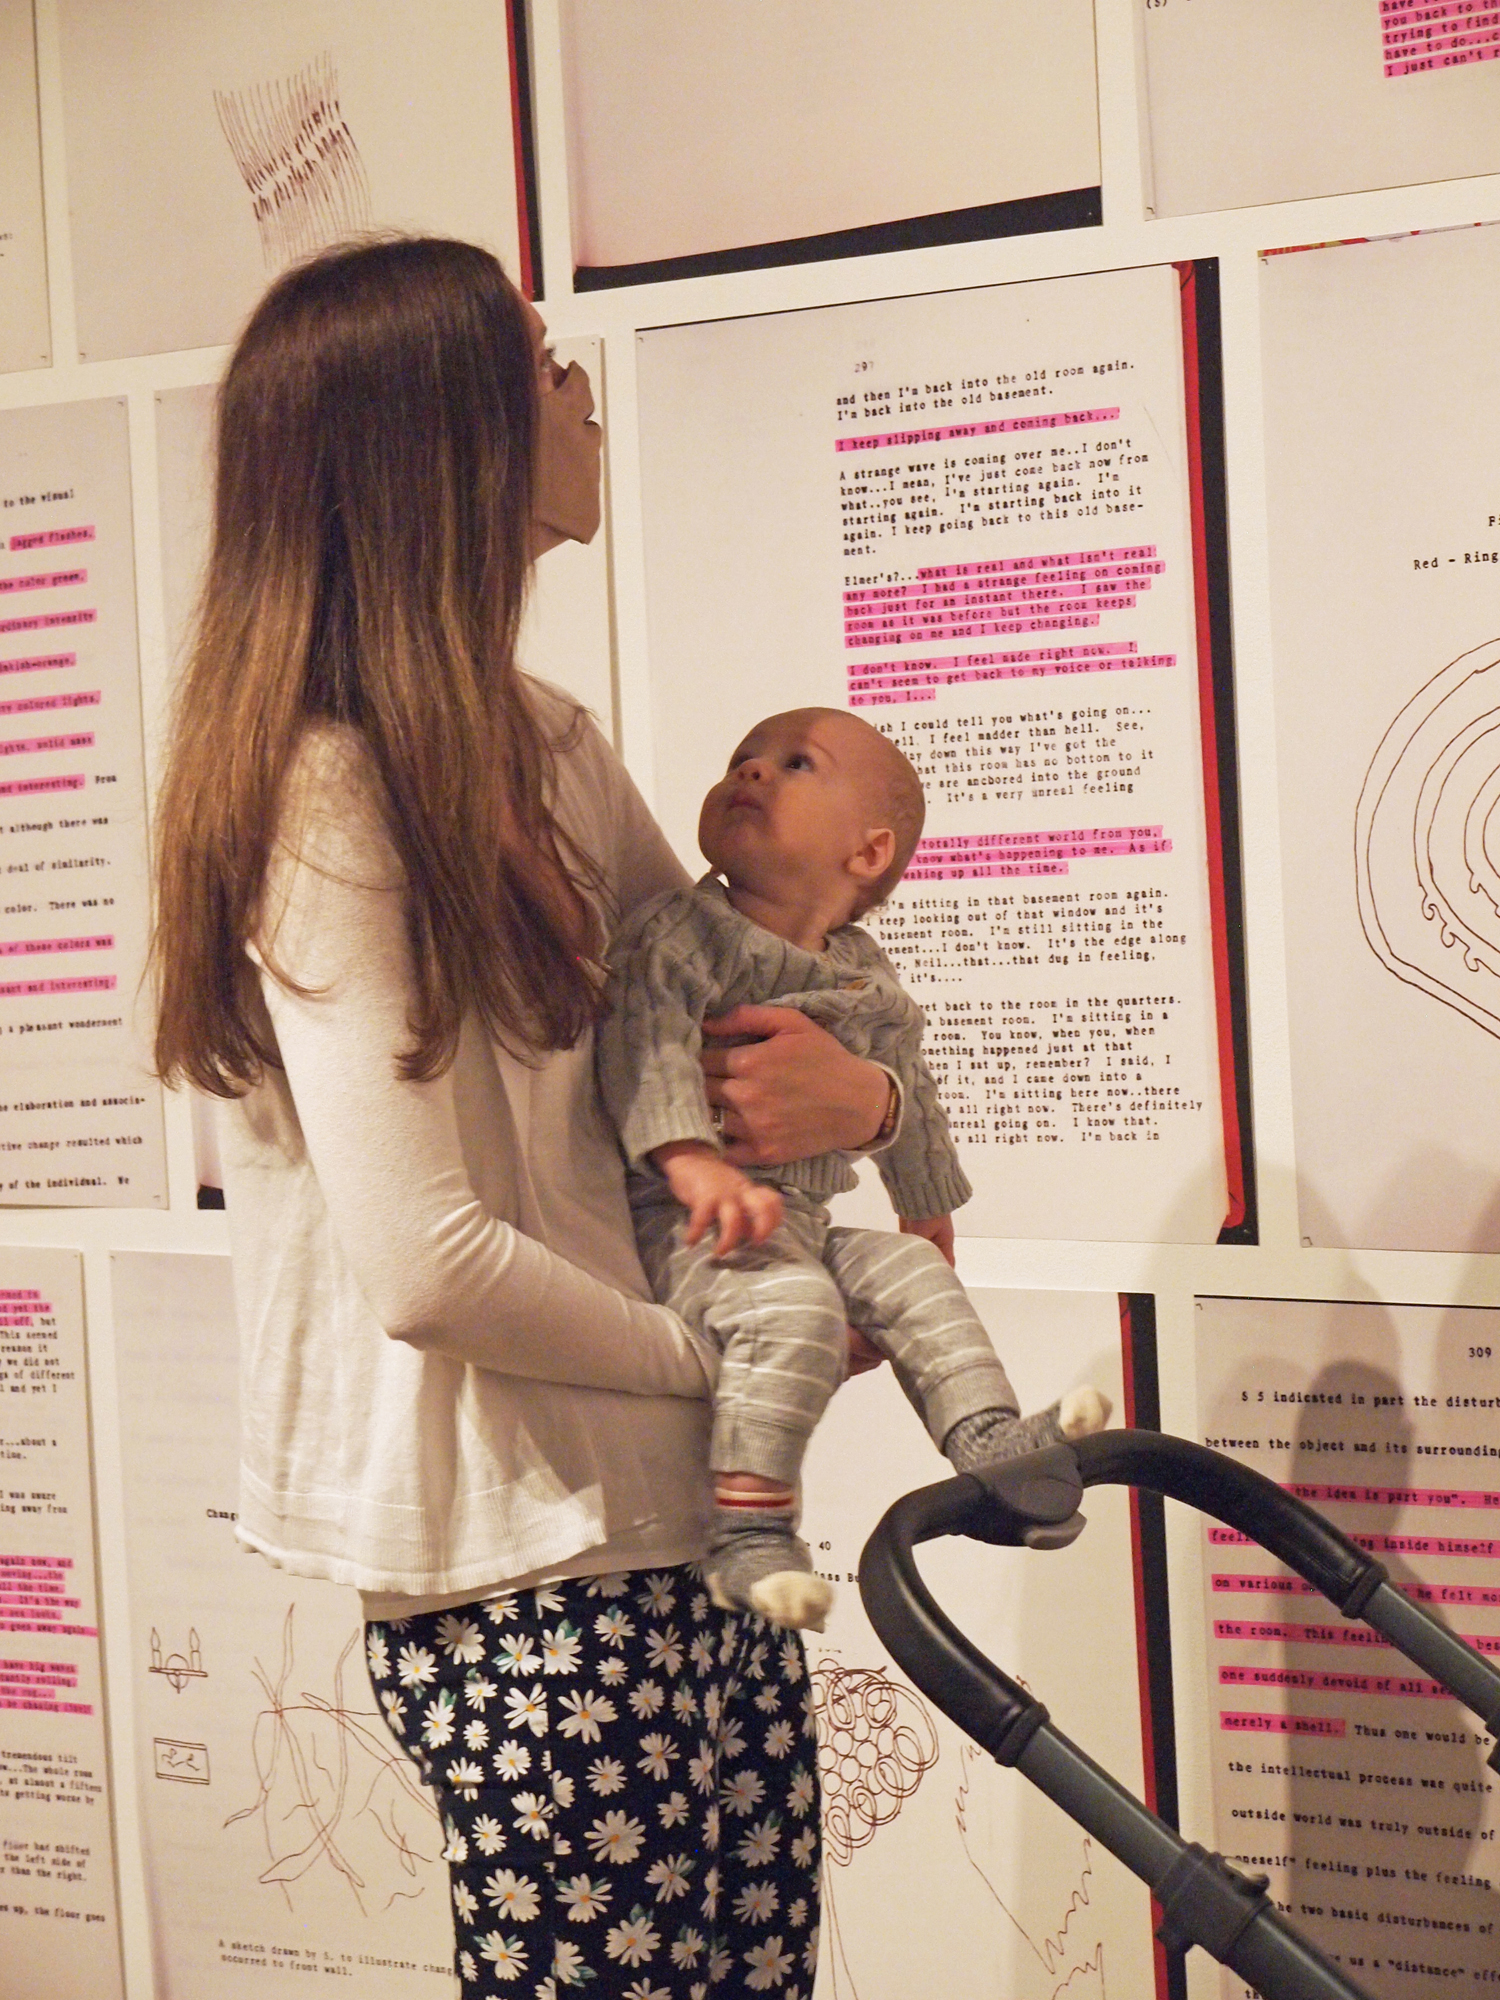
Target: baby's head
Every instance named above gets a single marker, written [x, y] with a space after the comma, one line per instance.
[818, 800]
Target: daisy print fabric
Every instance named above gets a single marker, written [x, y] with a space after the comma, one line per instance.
[628, 1782]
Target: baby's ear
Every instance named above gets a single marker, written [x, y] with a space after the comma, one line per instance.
[873, 856]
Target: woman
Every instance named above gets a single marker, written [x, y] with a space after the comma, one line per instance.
[378, 940]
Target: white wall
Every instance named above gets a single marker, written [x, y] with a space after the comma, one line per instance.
[1278, 1266]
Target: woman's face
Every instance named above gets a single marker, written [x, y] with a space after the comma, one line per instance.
[565, 503]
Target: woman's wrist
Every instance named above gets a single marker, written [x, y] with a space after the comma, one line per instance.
[890, 1118]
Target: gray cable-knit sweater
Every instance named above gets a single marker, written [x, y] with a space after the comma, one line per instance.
[690, 953]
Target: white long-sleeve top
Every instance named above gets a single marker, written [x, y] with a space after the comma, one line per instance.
[452, 1373]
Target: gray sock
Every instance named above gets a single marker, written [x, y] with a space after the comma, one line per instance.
[747, 1544]
[992, 1434]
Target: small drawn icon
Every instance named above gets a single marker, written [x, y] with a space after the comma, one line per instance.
[178, 1668]
[185, 1763]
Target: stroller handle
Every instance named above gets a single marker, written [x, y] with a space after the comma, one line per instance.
[1034, 1501]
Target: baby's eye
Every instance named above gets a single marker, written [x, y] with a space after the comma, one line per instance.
[798, 760]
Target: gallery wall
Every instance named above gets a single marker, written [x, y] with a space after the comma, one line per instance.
[1138, 357]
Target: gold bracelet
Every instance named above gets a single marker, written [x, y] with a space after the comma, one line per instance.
[892, 1116]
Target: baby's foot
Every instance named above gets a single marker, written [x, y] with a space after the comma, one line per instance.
[759, 1565]
[992, 1434]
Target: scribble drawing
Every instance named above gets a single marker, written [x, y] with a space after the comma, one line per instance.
[1427, 840]
[876, 1743]
[1056, 1948]
[335, 1794]
[183, 1763]
[177, 1669]
[298, 158]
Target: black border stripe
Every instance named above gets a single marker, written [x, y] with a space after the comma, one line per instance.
[1148, 1511]
[1221, 646]
[531, 218]
[1078, 208]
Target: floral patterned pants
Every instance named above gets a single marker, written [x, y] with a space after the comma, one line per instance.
[628, 1781]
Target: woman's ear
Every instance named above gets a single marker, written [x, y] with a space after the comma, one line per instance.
[873, 856]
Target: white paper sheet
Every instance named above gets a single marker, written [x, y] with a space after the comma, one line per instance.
[179, 163]
[1338, 1768]
[59, 1913]
[1274, 100]
[283, 1828]
[1382, 394]
[80, 1113]
[967, 516]
[25, 334]
[696, 128]
[1032, 1901]
[946, 1874]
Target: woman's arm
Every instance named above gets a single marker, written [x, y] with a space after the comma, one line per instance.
[436, 1268]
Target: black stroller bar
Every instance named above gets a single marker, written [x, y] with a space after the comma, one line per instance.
[1033, 1501]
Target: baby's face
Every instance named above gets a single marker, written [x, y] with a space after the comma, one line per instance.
[799, 799]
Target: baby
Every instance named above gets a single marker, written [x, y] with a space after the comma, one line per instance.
[813, 824]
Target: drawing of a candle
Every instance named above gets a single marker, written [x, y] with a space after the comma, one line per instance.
[178, 1668]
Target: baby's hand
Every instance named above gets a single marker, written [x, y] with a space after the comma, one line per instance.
[712, 1191]
[937, 1229]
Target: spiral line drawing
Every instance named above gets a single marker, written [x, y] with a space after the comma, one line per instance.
[1427, 840]
[876, 1742]
[298, 158]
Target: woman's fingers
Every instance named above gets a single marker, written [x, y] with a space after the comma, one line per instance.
[792, 1093]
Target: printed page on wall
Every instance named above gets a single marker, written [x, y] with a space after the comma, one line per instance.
[1357, 1784]
[979, 118]
[212, 147]
[80, 1112]
[256, 1722]
[916, 1818]
[59, 1911]
[25, 328]
[1383, 430]
[284, 1829]
[967, 517]
[1253, 102]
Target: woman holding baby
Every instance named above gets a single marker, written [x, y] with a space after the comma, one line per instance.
[381, 927]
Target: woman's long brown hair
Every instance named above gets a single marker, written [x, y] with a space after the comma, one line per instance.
[369, 566]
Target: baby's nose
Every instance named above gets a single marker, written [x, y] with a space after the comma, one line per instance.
[756, 769]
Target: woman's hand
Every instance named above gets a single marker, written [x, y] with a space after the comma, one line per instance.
[792, 1093]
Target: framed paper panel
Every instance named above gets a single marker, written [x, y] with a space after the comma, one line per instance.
[723, 138]
[1254, 101]
[1356, 1784]
[283, 1828]
[80, 1111]
[25, 330]
[248, 137]
[978, 519]
[59, 1909]
[1381, 396]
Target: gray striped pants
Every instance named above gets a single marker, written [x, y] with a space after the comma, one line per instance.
[776, 1312]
